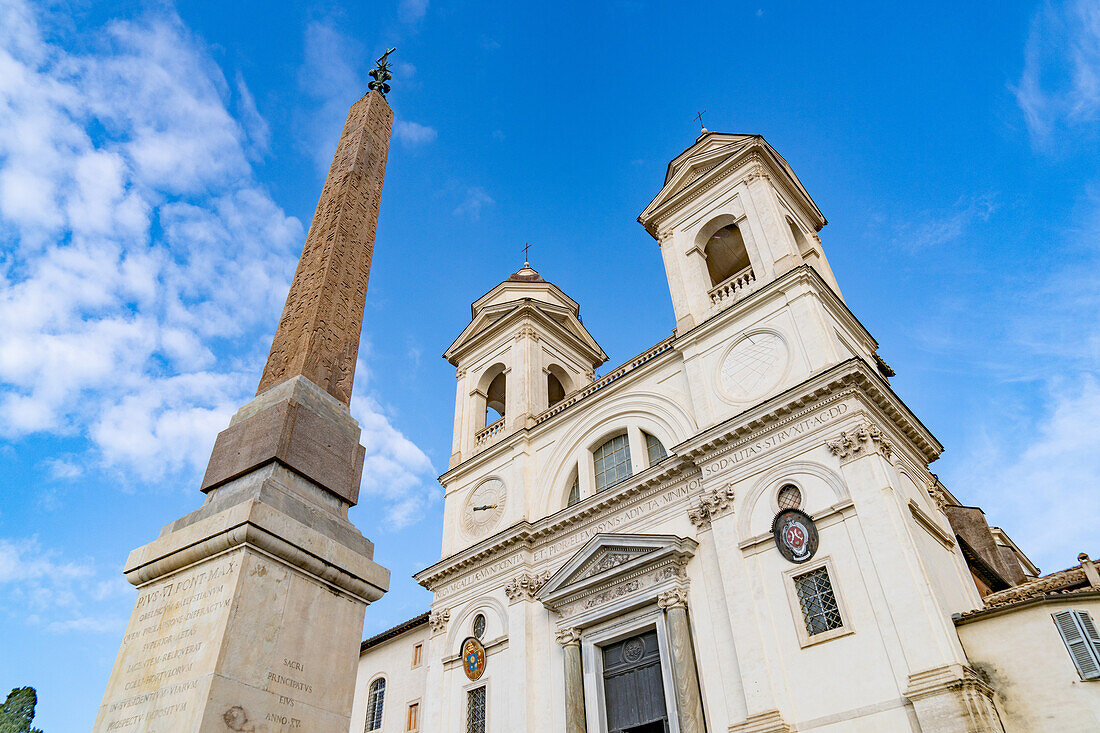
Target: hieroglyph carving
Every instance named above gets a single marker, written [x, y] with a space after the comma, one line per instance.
[525, 585]
[318, 333]
[866, 438]
[438, 620]
[709, 505]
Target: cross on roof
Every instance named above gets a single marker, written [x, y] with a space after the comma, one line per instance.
[699, 118]
[526, 259]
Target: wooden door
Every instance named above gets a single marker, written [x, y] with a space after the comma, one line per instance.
[634, 694]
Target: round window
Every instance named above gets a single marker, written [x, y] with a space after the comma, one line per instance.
[789, 497]
[479, 625]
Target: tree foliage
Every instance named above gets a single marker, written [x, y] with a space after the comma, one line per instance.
[17, 712]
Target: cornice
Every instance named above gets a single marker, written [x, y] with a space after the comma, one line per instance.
[516, 310]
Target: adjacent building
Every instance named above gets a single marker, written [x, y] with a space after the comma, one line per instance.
[736, 530]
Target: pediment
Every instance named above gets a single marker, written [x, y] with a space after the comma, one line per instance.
[634, 561]
[711, 153]
[510, 315]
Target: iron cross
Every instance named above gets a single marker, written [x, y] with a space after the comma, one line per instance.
[699, 118]
[526, 246]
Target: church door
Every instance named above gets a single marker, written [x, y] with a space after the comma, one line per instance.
[633, 691]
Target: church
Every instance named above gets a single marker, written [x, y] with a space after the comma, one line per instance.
[736, 530]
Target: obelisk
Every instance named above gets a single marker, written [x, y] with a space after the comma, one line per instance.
[250, 610]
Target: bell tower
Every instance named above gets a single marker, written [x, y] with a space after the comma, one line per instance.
[524, 351]
[730, 218]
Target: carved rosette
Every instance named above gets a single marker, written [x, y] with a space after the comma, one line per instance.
[568, 637]
[860, 441]
[710, 505]
[524, 586]
[438, 620]
[675, 598]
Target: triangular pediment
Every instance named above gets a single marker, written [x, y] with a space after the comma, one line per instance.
[712, 155]
[608, 556]
[509, 315]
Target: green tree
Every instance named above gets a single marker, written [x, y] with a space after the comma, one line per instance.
[17, 712]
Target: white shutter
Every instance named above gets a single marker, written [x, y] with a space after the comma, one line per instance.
[1082, 640]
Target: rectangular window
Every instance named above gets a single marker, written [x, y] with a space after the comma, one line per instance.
[819, 607]
[412, 722]
[475, 710]
[418, 651]
[612, 462]
[1082, 640]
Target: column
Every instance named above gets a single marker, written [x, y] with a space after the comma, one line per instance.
[689, 701]
[570, 640]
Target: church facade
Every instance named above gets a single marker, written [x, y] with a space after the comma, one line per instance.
[736, 530]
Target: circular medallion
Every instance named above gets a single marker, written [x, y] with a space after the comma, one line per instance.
[484, 507]
[473, 658]
[633, 649]
[795, 535]
[753, 365]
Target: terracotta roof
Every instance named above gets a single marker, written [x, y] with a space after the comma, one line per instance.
[388, 634]
[1070, 581]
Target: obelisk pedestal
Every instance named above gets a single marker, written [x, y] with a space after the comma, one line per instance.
[250, 610]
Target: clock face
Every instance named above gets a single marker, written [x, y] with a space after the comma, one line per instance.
[484, 507]
[753, 365]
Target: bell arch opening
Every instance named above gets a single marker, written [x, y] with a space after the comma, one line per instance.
[726, 254]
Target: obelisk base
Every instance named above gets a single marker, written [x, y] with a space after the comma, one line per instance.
[248, 618]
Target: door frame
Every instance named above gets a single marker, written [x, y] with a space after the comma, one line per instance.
[647, 618]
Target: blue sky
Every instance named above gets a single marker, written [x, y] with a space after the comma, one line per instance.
[158, 164]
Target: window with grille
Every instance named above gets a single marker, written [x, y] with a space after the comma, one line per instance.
[789, 497]
[574, 491]
[612, 461]
[479, 625]
[376, 698]
[412, 721]
[1079, 633]
[656, 451]
[475, 710]
[819, 607]
[418, 653]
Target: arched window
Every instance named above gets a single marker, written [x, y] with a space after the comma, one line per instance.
[375, 700]
[612, 462]
[555, 392]
[495, 398]
[804, 246]
[574, 491]
[657, 452]
[726, 254]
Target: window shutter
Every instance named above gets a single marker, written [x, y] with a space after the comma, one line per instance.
[1082, 640]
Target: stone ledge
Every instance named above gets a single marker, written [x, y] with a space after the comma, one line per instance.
[769, 722]
[255, 523]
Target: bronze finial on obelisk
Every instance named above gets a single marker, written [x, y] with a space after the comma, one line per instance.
[318, 334]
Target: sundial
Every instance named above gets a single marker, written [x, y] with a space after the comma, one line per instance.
[753, 365]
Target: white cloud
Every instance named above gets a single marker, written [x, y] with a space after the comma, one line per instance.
[1041, 489]
[26, 560]
[476, 199]
[939, 228]
[411, 11]
[329, 77]
[413, 133]
[1059, 88]
[142, 338]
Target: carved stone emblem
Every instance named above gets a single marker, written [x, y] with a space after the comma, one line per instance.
[565, 637]
[525, 585]
[863, 440]
[710, 505]
[438, 620]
